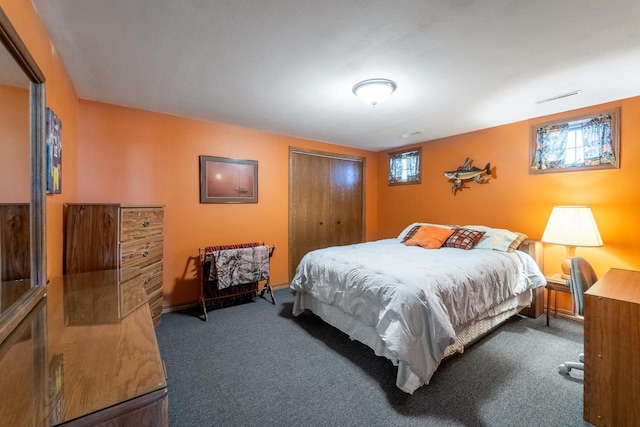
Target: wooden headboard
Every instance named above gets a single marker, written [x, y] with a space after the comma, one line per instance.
[534, 249]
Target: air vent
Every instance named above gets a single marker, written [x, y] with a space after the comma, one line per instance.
[409, 135]
[564, 95]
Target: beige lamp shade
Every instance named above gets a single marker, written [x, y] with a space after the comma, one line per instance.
[571, 226]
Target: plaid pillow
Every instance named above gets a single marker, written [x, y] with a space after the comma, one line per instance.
[411, 233]
[463, 238]
[514, 245]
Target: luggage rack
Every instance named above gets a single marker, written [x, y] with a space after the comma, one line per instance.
[209, 291]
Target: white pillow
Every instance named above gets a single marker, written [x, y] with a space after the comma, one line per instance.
[498, 239]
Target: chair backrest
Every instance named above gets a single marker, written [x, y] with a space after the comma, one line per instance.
[582, 278]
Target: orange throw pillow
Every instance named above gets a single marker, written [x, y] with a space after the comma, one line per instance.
[430, 237]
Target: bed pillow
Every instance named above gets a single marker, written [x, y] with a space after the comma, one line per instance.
[409, 234]
[463, 238]
[403, 236]
[429, 237]
[514, 245]
[498, 239]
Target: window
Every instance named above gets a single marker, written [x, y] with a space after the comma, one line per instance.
[404, 167]
[581, 143]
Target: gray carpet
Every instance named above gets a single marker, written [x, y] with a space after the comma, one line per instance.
[255, 364]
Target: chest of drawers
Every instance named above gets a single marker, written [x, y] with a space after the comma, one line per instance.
[117, 236]
[611, 343]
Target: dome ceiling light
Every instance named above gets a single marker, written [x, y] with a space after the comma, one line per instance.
[374, 91]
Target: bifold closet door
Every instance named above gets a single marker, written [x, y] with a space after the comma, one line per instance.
[326, 203]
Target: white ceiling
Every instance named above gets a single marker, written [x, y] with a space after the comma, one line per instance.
[288, 66]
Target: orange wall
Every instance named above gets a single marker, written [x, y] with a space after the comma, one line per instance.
[61, 97]
[516, 200]
[15, 161]
[133, 156]
[116, 154]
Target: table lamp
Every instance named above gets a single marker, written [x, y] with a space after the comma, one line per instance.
[571, 226]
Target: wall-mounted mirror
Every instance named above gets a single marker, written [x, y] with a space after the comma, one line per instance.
[22, 173]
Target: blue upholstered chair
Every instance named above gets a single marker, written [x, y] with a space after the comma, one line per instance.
[582, 277]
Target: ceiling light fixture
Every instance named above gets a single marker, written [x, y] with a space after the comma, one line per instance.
[374, 91]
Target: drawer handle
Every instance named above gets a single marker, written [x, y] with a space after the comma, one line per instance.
[145, 253]
[145, 223]
[146, 282]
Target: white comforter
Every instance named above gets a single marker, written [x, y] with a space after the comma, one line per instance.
[412, 298]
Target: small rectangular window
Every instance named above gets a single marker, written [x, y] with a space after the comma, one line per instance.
[404, 167]
[580, 143]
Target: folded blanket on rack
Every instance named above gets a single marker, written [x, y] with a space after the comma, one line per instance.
[240, 266]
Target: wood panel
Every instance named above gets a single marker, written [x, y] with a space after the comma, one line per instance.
[326, 202]
[612, 359]
[15, 252]
[138, 223]
[308, 200]
[346, 211]
[91, 238]
[151, 410]
[142, 252]
[152, 277]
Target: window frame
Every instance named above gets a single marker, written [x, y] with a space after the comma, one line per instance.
[615, 142]
[400, 154]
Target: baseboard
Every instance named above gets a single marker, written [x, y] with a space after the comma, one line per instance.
[181, 307]
[196, 303]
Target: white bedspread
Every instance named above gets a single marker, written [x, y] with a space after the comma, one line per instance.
[413, 298]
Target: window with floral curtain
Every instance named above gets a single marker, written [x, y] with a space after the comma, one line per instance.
[404, 167]
[581, 143]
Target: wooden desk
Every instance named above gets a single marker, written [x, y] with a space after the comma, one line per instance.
[612, 350]
[556, 283]
[85, 356]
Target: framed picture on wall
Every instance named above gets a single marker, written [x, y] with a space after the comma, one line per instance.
[53, 135]
[224, 180]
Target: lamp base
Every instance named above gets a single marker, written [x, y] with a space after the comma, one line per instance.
[566, 262]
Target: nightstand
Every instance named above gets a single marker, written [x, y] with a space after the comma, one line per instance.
[556, 283]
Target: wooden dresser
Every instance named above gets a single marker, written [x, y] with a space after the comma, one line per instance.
[62, 367]
[612, 350]
[117, 236]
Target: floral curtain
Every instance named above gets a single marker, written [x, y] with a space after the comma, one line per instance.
[596, 138]
[404, 167]
[551, 144]
[593, 144]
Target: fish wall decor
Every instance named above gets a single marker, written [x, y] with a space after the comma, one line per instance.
[467, 172]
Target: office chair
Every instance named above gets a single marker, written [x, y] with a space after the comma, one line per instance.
[582, 277]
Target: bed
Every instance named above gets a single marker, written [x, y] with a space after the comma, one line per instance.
[414, 304]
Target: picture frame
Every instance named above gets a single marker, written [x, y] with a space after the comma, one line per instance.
[53, 140]
[225, 180]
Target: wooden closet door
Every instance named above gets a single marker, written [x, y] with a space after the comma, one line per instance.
[326, 203]
[346, 207]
